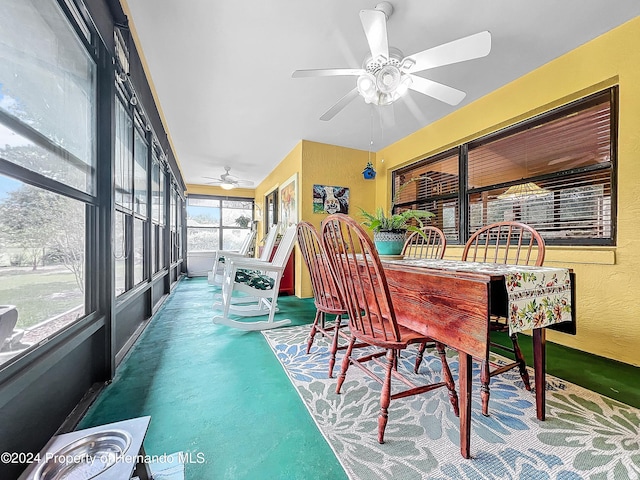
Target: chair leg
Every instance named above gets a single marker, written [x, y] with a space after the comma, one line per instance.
[345, 364]
[313, 331]
[522, 364]
[385, 394]
[448, 378]
[485, 377]
[334, 345]
[419, 355]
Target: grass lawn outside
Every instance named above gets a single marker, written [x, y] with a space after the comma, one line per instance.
[39, 294]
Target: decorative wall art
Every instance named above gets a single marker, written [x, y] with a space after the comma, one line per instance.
[330, 199]
[288, 199]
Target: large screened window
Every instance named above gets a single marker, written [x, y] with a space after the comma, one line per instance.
[131, 198]
[47, 173]
[42, 264]
[554, 172]
[47, 94]
[215, 223]
[157, 212]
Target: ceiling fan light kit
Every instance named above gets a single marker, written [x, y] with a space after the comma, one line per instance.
[226, 181]
[386, 74]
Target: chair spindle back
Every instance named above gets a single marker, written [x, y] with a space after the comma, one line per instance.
[431, 243]
[325, 290]
[361, 280]
[506, 242]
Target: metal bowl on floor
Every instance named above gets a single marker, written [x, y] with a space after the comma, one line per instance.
[86, 457]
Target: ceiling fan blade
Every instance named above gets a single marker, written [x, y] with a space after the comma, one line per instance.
[327, 72]
[374, 23]
[466, 48]
[441, 92]
[343, 102]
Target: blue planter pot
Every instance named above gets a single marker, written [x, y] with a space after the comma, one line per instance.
[389, 243]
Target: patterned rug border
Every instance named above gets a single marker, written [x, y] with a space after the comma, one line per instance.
[572, 449]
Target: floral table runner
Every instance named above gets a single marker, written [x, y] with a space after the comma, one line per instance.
[538, 296]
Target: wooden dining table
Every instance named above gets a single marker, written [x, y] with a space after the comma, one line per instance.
[452, 303]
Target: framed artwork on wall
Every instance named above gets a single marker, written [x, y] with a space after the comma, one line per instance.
[327, 199]
[288, 197]
[270, 210]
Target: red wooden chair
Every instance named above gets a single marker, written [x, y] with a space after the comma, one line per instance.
[325, 291]
[372, 318]
[512, 243]
[431, 243]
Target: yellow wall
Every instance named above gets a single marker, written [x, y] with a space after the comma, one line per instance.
[291, 164]
[608, 303]
[322, 164]
[330, 165]
[219, 191]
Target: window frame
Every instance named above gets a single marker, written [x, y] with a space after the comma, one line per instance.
[86, 33]
[222, 227]
[465, 193]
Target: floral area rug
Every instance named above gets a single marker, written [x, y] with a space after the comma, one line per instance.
[585, 435]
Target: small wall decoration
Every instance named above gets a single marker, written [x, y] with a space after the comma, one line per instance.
[369, 173]
[288, 198]
[330, 199]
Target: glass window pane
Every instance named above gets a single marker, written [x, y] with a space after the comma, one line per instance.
[555, 176]
[576, 140]
[237, 214]
[201, 214]
[179, 219]
[123, 157]
[155, 192]
[47, 94]
[172, 213]
[154, 248]
[163, 199]
[120, 252]
[232, 238]
[432, 186]
[140, 175]
[161, 246]
[42, 262]
[138, 251]
[199, 239]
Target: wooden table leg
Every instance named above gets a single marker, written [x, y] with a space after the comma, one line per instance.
[539, 365]
[464, 378]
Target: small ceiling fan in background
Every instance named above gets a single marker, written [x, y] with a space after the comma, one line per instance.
[386, 73]
[228, 181]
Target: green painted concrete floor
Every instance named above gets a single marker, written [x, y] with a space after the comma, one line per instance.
[220, 395]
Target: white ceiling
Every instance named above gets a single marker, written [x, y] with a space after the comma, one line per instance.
[222, 70]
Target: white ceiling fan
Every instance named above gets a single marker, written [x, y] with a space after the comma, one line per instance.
[228, 181]
[386, 73]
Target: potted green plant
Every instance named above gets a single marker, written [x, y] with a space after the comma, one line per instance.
[243, 221]
[389, 230]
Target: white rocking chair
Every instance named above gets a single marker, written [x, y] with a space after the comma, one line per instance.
[216, 275]
[260, 281]
[265, 255]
